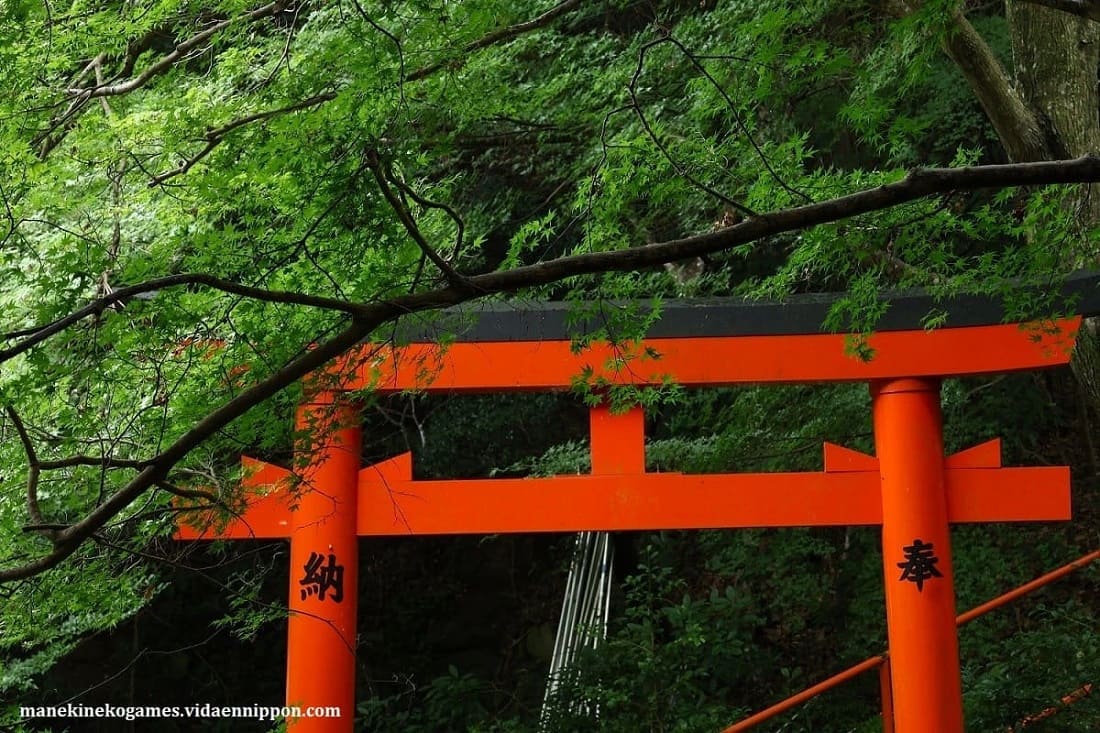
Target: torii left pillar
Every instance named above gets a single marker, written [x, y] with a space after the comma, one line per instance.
[316, 508]
[324, 562]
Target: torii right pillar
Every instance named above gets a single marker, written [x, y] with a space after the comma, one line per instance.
[916, 557]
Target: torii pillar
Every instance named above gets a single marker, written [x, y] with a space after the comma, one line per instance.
[316, 509]
[916, 557]
[324, 562]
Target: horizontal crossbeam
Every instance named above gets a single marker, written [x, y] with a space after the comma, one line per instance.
[713, 361]
[392, 503]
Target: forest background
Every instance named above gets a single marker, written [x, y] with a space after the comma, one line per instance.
[286, 180]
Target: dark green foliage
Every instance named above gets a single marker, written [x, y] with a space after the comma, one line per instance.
[618, 124]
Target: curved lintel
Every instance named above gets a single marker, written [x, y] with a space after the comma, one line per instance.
[710, 361]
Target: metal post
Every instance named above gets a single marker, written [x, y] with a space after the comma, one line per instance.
[885, 687]
[324, 566]
[920, 597]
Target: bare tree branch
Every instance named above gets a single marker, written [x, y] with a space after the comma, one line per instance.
[367, 318]
[98, 461]
[45, 528]
[215, 136]
[1085, 8]
[60, 125]
[50, 138]
[45, 141]
[698, 64]
[190, 493]
[68, 540]
[917, 184]
[392, 39]
[460, 225]
[632, 88]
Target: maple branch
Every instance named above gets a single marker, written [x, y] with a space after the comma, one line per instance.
[49, 139]
[632, 89]
[33, 467]
[66, 541]
[918, 184]
[99, 461]
[498, 36]
[37, 334]
[383, 177]
[190, 493]
[364, 319]
[214, 136]
[460, 225]
[739, 120]
[182, 49]
[45, 141]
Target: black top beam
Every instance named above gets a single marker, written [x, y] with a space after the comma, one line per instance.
[702, 317]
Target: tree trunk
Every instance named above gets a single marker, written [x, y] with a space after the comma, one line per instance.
[1048, 109]
[1056, 56]
[1018, 126]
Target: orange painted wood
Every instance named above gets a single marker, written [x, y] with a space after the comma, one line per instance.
[983, 455]
[920, 595]
[615, 502]
[267, 495]
[840, 459]
[617, 440]
[391, 503]
[1029, 494]
[713, 361]
[912, 486]
[886, 695]
[321, 628]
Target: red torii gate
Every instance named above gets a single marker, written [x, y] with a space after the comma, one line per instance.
[910, 488]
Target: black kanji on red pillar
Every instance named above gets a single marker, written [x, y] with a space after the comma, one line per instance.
[919, 564]
[320, 578]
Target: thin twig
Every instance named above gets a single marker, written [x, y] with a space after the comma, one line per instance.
[37, 334]
[397, 44]
[214, 137]
[738, 120]
[383, 177]
[632, 88]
